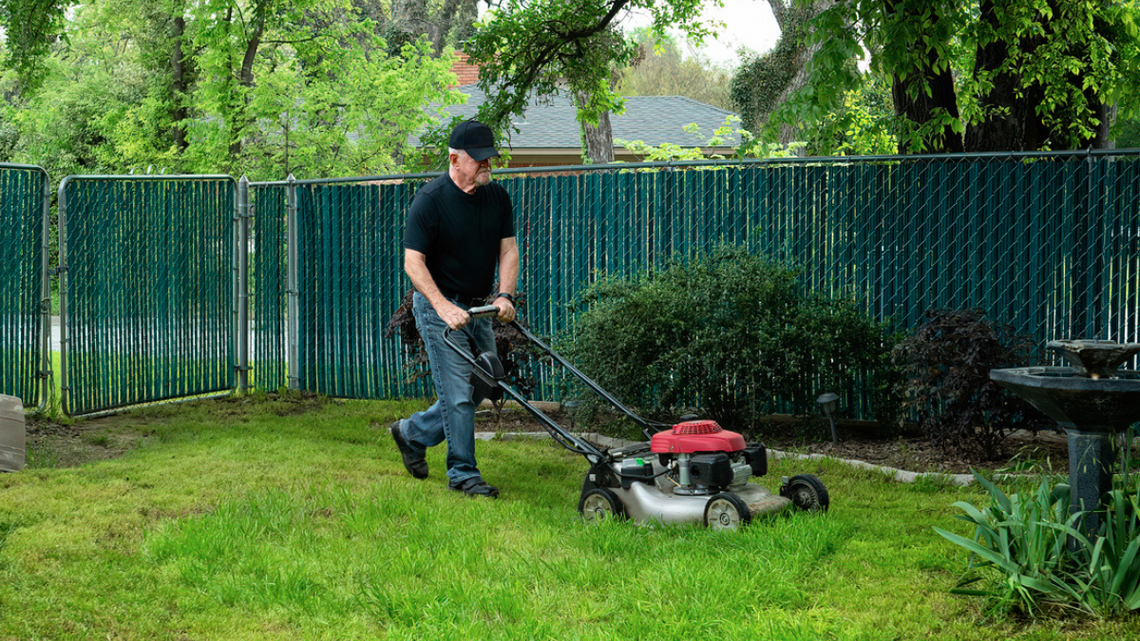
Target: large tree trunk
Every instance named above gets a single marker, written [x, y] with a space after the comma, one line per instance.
[785, 67]
[599, 140]
[1011, 121]
[178, 85]
[919, 96]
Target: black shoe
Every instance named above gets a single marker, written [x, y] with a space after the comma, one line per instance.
[413, 463]
[474, 486]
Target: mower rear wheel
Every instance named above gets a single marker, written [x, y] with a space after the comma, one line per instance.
[600, 504]
[726, 511]
[806, 492]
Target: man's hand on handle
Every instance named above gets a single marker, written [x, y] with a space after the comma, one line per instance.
[454, 315]
[506, 309]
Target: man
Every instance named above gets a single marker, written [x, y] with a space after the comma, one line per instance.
[460, 228]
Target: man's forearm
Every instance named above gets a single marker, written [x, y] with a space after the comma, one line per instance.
[416, 268]
[509, 266]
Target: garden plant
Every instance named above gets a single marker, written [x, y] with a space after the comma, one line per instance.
[948, 361]
[1029, 553]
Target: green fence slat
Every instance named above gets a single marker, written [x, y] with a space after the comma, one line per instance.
[137, 333]
[1045, 243]
[22, 195]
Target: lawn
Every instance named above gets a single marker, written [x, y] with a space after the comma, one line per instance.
[268, 518]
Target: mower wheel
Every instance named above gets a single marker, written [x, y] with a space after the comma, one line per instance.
[600, 504]
[726, 511]
[806, 492]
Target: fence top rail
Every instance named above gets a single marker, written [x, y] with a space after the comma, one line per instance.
[67, 180]
[726, 163]
[36, 168]
[145, 177]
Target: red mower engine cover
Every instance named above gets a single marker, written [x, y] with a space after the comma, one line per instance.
[696, 436]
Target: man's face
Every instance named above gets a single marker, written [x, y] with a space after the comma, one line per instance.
[477, 172]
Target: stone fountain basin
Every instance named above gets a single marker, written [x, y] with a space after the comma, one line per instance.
[1077, 402]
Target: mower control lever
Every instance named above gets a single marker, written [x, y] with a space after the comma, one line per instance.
[483, 312]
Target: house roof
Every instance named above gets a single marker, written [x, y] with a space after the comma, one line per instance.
[655, 120]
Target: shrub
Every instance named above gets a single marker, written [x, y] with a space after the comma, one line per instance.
[734, 334]
[948, 362]
[1040, 558]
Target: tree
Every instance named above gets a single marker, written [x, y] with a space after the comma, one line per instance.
[442, 21]
[31, 27]
[764, 82]
[544, 47]
[660, 69]
[1008, 75]
[263, 88]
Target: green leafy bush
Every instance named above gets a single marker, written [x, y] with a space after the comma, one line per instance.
[1041, 558]
[731, 333]
[948, 362]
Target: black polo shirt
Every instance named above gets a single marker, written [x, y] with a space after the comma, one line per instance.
[459, 233]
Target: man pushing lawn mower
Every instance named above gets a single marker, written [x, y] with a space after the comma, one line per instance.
[460, 228]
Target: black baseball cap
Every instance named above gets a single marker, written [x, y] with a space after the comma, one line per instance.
[475, 138]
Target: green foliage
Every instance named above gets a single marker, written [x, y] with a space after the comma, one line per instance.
[545, 47]
[1041, 68]
[748, 146]
[30, 27]
[863, 124]
[1041, 558]
[660, 69]
[732, 333]
[948, 361]
[264, 89]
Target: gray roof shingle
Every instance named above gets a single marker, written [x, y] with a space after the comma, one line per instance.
[654, 120]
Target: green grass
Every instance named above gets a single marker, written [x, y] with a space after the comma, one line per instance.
[291, 519]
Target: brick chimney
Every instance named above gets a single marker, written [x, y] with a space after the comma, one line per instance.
[465, 74]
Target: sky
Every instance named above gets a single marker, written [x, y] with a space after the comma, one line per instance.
[745, 23]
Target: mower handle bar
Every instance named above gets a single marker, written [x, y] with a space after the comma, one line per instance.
[565, 438]
[647, 427]
[483, 312]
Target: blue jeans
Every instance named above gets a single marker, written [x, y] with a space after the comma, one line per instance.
[452, 417]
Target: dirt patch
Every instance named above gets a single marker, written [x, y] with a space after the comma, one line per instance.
[53, 444]
[1021, 451]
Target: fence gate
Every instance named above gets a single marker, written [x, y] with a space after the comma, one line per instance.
[148, 300]
[24, 292]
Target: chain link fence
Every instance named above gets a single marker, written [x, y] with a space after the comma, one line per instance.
[156, 269]
[344, 282]
[24, 294]
[148, 294]
[1044, 242]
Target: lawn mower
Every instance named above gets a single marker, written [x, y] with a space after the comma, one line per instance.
[692, 471]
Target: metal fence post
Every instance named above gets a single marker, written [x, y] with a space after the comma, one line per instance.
[241, 283]
[45, 297]
[64, 383]
[292, 310]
